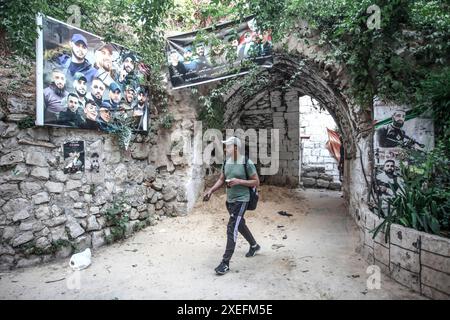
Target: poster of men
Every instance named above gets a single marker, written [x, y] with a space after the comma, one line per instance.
[194, 58]
[73, 157]
[87, 83]
[397, 129]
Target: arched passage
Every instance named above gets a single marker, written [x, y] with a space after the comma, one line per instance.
[274, 103]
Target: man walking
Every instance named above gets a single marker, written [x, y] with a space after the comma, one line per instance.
[235, 173]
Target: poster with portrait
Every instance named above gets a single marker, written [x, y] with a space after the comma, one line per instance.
[397, 129]
[85, 83]
[73, 153]
[214, 54]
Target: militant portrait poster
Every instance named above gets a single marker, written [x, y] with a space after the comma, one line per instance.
[397, 130]
[86, 83]
[73, 157]
[214, 54]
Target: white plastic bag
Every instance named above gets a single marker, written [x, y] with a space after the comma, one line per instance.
[81, 260]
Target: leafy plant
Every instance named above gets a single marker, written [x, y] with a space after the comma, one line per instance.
[167, 121]
[117, 217]
[26, 123]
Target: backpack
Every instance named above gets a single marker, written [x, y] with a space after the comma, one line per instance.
[254, 197]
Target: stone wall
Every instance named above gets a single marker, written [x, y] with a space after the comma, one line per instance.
[46, 214]
[316, 177]
[417, 260]
[40, 205]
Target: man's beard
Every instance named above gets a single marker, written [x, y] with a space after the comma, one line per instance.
[58, 91]
[81, 94]
[91, 116]
[77, 56]
[105, 67]
[398, 124]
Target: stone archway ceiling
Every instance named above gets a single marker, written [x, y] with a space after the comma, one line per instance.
[323, 82]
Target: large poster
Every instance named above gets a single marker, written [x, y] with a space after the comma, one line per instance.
[397, 129]
[213, 54]
[87, 83]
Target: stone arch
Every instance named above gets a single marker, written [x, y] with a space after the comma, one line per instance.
[306, 77]
[301, 67]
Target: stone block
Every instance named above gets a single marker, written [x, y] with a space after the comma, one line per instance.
[58, 233]
[435, 244]
[98, 239]
[74, 228]
[335, 186]
[92, 224]
[12, 158]
[436, 279]
[22, 238]
[42, 212]
[24, 263]
[54, 187]
[311, 174]
[406, 259]
[134, 214]
[322, 183]
[139, 151]
[9, 190]
[309, 182]
[435, 261]
[21, 214]
[36, 159]
[40, 198]
[73, 184]
[405, 277]
[41, 173]
[404, 237]
[56, 221]
[381, 253]
[325, 177]
[434, 294]
[26, 226]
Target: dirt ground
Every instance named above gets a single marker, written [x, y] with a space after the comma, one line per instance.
[310, 255]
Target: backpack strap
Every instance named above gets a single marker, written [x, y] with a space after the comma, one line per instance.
[245, 168]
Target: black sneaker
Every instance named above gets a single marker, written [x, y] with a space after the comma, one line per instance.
[222, 268]
[253, 251]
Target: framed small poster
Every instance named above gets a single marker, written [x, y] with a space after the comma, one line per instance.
[73, 157]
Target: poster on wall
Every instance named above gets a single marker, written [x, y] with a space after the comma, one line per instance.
[397, 129]
[214, 54]
[73, 153]
[85, 83]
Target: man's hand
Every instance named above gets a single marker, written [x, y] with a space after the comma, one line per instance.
[207, 195]
[233, 182]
